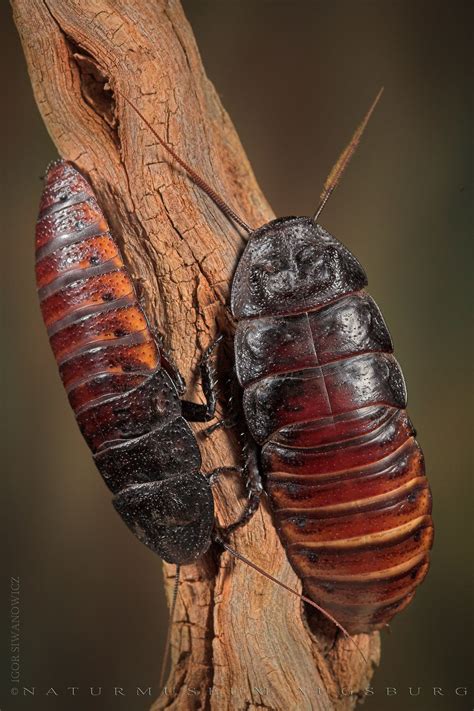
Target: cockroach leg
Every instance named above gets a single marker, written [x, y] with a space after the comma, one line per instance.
[234, 408]
[198, 412]
[253, 484]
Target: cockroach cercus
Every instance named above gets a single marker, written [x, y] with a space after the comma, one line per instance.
[122, 386]
[324, 401]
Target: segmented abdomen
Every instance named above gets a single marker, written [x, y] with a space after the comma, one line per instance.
[126, 405]
[345, 476]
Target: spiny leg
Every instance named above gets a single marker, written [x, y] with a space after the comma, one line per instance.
[193, 411]
[197, 412]
[233, 406]
[214, 476]
[253, 484]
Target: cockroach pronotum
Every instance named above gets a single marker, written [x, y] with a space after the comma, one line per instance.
[324, 400]
[123, 387]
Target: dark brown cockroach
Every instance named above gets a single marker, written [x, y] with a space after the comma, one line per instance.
[324, 399]
[124, 391]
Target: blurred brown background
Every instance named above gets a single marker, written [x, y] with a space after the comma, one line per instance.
[296, 77]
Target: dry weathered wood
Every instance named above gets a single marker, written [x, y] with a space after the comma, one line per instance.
[235, 632]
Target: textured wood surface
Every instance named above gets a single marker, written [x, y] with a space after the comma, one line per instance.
[236, 632]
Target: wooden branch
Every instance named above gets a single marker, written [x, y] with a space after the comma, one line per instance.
[236, 632]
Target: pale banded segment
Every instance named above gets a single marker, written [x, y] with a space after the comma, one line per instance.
[350, 416]
[67, 238]
[83, 313]
[106, 397]
[103, 374]
[352, 506]
[342, 473]
[131, 339]
[375, 575]
[373, 610]
[367, 540]
[107, 361]
[67, 278]
[61, 204]
[390, 414]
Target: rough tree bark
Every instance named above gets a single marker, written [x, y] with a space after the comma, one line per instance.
[235, 632]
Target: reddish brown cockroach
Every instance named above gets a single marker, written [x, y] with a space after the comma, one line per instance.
[325, 400]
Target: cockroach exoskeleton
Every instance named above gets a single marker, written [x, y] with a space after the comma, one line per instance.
[124, 390]
[325, 400]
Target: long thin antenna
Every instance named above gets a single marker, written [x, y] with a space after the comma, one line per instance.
[245, 560]
[336, 173]
[164, 663]
[195, 177]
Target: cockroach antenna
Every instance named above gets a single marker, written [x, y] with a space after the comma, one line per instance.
[170, 626]
[195, 177]
[263, 572]
[335, 175]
